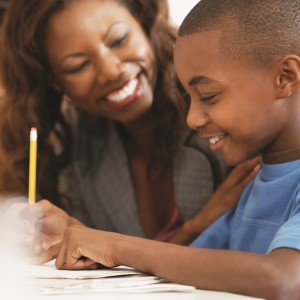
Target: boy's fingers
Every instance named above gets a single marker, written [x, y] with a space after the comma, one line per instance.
[61, 256]
[90, 264]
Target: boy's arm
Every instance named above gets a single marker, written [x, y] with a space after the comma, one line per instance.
[272, 276]
[266, 276]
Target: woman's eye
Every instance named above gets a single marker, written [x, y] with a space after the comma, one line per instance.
[77, 68]
[118, 42]
[207, 99]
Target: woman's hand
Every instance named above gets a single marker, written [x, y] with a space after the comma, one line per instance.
[224, 199]
[86, 248]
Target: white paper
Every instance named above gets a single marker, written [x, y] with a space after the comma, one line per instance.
[47, 280]
[49, 271]
[124, 285]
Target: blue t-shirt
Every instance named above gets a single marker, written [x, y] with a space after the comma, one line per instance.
[267, 216]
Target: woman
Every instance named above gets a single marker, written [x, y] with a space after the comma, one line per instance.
[97, 80]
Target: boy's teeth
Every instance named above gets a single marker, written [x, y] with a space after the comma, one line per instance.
[126, 91]
[214, 140]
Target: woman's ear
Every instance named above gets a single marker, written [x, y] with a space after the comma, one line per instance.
[288, 75]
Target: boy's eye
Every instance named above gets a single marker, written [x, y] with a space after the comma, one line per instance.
[118, 42]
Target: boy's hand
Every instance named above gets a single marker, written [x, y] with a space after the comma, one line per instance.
[85, 248]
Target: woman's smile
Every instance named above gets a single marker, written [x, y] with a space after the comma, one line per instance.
[124, 92]
[124, 96]
[108, 66]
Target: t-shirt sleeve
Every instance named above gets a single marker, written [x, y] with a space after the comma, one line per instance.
[288, 235]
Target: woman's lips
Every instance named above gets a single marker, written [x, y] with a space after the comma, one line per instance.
[124, 96]
[124, 92]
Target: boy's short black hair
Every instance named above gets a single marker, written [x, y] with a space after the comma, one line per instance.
[259, 31]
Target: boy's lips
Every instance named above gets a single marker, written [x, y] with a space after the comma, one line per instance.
[211, 136]
[215, 141]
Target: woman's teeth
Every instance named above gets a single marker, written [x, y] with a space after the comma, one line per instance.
[127, 90]
[215, 140]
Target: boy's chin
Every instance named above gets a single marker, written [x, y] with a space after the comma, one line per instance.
[234, 160]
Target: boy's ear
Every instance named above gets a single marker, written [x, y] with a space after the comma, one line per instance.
[288, 75]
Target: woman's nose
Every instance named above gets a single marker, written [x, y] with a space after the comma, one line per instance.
[197, 116]
[110, 67]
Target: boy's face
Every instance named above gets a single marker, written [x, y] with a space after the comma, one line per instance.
[233, 104]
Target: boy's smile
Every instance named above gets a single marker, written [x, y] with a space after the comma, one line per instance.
[234, 104]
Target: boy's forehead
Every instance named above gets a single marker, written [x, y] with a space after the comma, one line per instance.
[194, 50]
[199, 41]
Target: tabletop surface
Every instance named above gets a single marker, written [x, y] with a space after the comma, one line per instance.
[196, 295]
[94, 294]
[36, 287]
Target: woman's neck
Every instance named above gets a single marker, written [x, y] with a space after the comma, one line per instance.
[140, 134]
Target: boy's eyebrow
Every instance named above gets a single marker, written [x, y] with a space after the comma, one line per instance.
[200, 79]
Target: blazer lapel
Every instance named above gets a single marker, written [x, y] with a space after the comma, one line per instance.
[114, 188]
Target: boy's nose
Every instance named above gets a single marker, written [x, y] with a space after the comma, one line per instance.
[197, 116]
[110, 68]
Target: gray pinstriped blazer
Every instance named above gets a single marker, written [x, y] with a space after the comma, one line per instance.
[102, 194]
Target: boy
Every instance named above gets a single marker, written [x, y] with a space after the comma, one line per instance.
[239, 60]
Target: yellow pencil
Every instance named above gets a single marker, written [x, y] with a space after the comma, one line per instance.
[32, 166]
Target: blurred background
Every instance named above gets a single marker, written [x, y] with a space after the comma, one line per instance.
[180, 8]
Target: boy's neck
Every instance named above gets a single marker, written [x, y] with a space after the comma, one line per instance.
[281, 156]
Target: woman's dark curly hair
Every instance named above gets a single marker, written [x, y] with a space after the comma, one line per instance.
[31, 101]
[3, 5]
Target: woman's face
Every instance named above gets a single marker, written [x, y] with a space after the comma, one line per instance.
[102, 59]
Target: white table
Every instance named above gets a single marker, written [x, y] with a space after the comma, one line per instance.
[194, 295]
[17, 285]
[197, 295]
